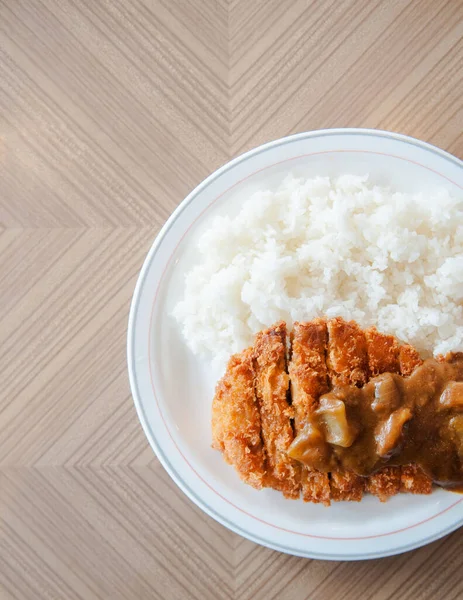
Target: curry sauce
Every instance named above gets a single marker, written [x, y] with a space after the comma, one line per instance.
[391, 421]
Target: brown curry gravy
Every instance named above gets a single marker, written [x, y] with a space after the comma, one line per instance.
[392, 420]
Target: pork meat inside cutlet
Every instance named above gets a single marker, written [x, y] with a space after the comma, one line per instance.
[236, 421]
[309, 380]
[383, 357]
[347, 362]
[412, 478]
[272, 385]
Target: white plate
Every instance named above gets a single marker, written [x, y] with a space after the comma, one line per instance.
[173, 390]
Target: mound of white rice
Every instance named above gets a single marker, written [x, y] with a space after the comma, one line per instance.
[340, 247]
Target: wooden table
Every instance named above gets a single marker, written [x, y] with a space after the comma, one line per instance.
[111, 111]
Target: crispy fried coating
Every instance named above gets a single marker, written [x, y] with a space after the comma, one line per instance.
[413, 480]
[346, 486]
[236, 422]
[309, 380]
[383, 352]
[409, 359]
[272, 386]
[384, 483]
[347, 353]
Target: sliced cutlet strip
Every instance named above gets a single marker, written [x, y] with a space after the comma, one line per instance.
[412, 478]
[383, 357]
[347, 361]
[347, 357]
[383, 352]
[346, 486]
[385, 483]
[309, 380]
[409, 359]
[272, 385]
[236, 420]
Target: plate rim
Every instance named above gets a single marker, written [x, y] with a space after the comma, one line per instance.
[131, 340]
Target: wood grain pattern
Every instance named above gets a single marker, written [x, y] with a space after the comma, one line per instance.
[111, 111]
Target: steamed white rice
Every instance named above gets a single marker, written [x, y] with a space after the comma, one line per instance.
[335, 247]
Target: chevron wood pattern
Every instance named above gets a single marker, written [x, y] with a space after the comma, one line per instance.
[110, 112]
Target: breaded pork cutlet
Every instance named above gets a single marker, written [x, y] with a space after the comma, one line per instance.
[309, 380]
[236, 427]
[272, 386]
[254, 422]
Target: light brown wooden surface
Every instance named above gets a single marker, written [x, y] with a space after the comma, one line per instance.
[111, 111]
